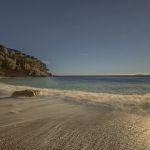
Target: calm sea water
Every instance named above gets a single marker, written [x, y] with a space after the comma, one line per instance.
[99, 84]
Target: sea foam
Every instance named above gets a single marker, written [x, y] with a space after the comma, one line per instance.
[134, 103]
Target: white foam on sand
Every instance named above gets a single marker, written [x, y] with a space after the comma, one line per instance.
[131, 103]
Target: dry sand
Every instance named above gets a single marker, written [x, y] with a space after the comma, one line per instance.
[54, 124]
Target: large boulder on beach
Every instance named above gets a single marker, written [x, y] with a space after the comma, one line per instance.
[26, 93]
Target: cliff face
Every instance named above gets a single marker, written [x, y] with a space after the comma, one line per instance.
[16, 63]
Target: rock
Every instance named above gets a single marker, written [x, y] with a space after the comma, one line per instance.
[27, 93]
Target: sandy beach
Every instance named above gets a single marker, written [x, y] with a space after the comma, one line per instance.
[56, 123]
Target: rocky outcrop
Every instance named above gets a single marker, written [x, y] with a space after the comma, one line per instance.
[16, 63]
[26, 93]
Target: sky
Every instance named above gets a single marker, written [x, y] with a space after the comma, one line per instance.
[80, 37]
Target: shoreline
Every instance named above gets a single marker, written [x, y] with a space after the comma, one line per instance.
[138, 104]
[67, 119]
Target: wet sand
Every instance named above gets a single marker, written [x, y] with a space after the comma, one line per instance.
[54, 124]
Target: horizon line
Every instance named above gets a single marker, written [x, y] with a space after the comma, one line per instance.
[108, 75]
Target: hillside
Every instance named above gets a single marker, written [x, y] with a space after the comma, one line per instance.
[14, 63]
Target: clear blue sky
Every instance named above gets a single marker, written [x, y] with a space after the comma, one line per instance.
[80, 36]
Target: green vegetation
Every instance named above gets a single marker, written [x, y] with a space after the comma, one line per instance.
[16, 63]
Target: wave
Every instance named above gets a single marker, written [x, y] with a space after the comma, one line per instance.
[134, 103]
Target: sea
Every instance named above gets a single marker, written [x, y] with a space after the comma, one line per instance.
[125, 85]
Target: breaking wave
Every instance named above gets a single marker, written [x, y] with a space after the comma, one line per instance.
[135, 103]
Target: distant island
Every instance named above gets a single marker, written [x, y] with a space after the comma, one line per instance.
[14, 63]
